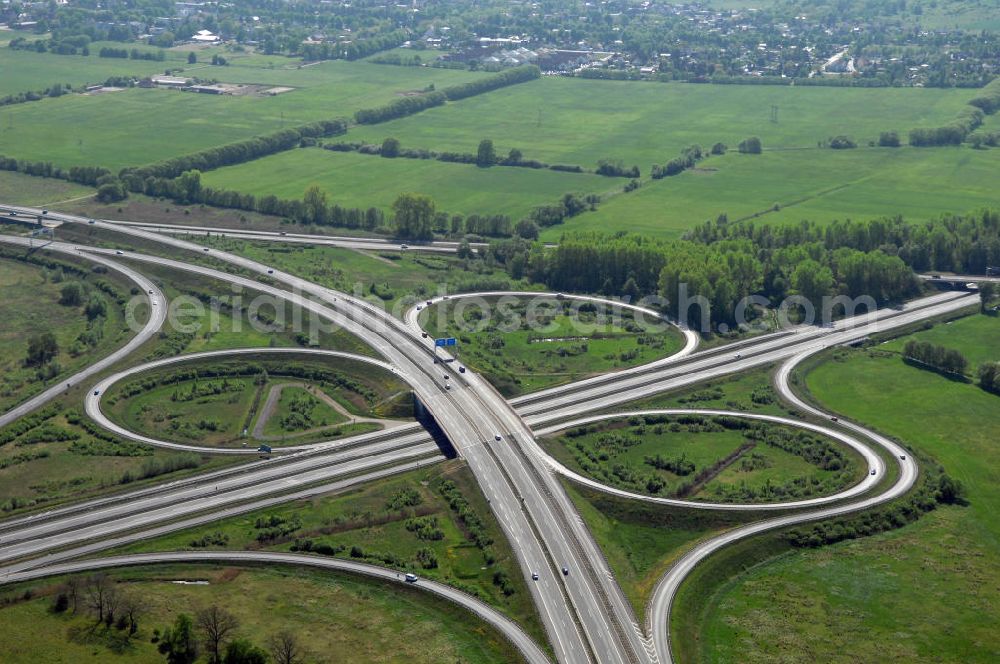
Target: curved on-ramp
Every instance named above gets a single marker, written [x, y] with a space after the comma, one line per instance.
[157, 316]
[92, 403]
[661, 602]
[507, 627]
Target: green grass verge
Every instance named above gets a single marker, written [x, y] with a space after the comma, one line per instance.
[329, 613]
[522, 348]
[371, 523]
[919, 593]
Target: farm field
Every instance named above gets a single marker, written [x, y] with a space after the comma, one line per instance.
[327, 612]
[875, 590]
[20, 189]
[815, 184]
[25, 71]
[565, 120]
[358, 180]
[138, 126]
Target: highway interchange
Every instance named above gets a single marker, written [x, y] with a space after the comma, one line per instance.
[585, 613]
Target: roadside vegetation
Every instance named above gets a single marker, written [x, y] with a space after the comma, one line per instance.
[749, 617]
[228, 402]
[433, 522]
[154, 614]
[521, 347]
[58, 315]
[716, 459]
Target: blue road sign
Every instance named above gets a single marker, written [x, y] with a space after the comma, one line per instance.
[447, 341]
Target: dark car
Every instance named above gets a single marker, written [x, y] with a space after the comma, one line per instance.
[565, 571]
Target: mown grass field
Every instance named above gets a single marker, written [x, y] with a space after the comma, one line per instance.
[924, 593]
[565, 120]
[331, 615]
[521, 347]
[137, 126]
[815, 184]
[373, 517]
[357, 180]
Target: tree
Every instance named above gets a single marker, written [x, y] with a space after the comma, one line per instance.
[750, 145]
[188, 186]
[413, 215]
[285, 648]
[216, 624]
[987, 291]
[316, 206]
[390, 148]
[242, 651]
[486, 155]
[812, 280]
[989, 376]
[71, 295]
[42, 348]
[514, 157]
[888, 139]
[192, 58]
[178, 642]
[527, 229]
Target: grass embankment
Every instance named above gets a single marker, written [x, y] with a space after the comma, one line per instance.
[433, 522]
[217, 402]
[331, 616]
[717, 459]
[920, 593]
[521, 347]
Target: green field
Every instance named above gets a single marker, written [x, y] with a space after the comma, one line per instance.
[921, 593]
[386, 523]
[704, 459]
[19, 189]
[138, 126]
[815, 184]
[518, 354]
[357, 180]
[27, 71]
[566, 120]
[298, 411]
[329, 614]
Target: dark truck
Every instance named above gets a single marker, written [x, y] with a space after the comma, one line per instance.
[264, 451]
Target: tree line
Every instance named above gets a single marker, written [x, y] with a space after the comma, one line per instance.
[934, 356]
[964, 244]
[968, 120]
[232, 153]
[430, 98]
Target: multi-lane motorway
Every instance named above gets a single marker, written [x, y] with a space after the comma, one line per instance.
[584, 611]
